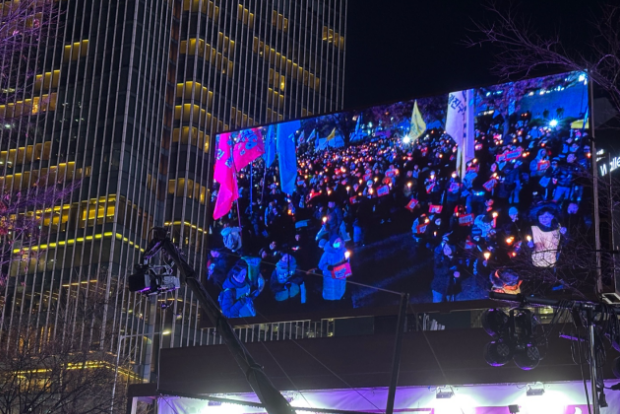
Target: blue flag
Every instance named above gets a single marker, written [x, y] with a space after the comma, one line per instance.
[270, 146]
[287, 156]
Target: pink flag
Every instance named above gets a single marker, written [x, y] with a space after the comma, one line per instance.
[249, 146]
[225, 174]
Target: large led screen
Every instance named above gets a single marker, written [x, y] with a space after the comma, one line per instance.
[445, 197]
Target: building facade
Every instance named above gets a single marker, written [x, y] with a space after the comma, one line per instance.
[129, 95]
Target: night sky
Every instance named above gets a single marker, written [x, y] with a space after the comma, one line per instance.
[401, 49]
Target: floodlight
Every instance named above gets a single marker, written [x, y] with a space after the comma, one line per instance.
[535, 390]
[497, 353]
[494, 321]
[527, 358]
[443, 393]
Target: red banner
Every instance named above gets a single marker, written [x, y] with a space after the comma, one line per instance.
[466, 220]
[435, 208]
[383, 191]
[412, 204]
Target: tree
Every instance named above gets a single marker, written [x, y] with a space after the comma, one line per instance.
[522, 51]
[52, 371]
[24, 25]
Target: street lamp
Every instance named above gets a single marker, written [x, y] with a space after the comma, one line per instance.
[118, 358]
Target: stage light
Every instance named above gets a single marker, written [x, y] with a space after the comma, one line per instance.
[581, 78]
[444, 393]
[527, 358]
[494, 321]
[553, 123]
[406, 139]
[497, 353]
[535, 390]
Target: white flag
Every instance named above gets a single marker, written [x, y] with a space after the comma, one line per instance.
[460, 125]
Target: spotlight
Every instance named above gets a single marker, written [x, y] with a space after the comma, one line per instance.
[443, 393]
[406, 139]
[527, 358]
[497, 354]
[553, 123]
[494, 321]
[513, 409]
[535, 390]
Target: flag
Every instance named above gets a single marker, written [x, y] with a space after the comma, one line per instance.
[460, 125]
[249, 146]
[313, 136]
[287, 157]
[225, 174]
[270, 146]
[331, 135]
[302, 137]
[418, 126]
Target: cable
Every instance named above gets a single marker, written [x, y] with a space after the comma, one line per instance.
[309, 272]
[286, 374]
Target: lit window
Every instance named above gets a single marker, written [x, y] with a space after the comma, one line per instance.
[75, 51]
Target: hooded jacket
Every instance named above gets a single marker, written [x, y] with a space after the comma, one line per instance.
[333, 289]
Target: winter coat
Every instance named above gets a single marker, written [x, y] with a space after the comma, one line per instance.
[444, 281]
[287, 290]
[333, 289]
[236, 300]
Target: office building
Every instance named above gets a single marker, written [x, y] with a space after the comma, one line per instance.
[127, 97]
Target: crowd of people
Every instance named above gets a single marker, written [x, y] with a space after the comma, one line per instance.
[510, 209]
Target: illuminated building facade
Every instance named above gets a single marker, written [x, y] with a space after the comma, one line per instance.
[128, 98]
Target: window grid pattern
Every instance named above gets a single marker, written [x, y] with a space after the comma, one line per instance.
[135, 125]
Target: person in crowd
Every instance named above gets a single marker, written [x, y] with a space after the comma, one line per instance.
[446, 281]
[286, 282]
[545, 237]
[237, 297]
[333, 256]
